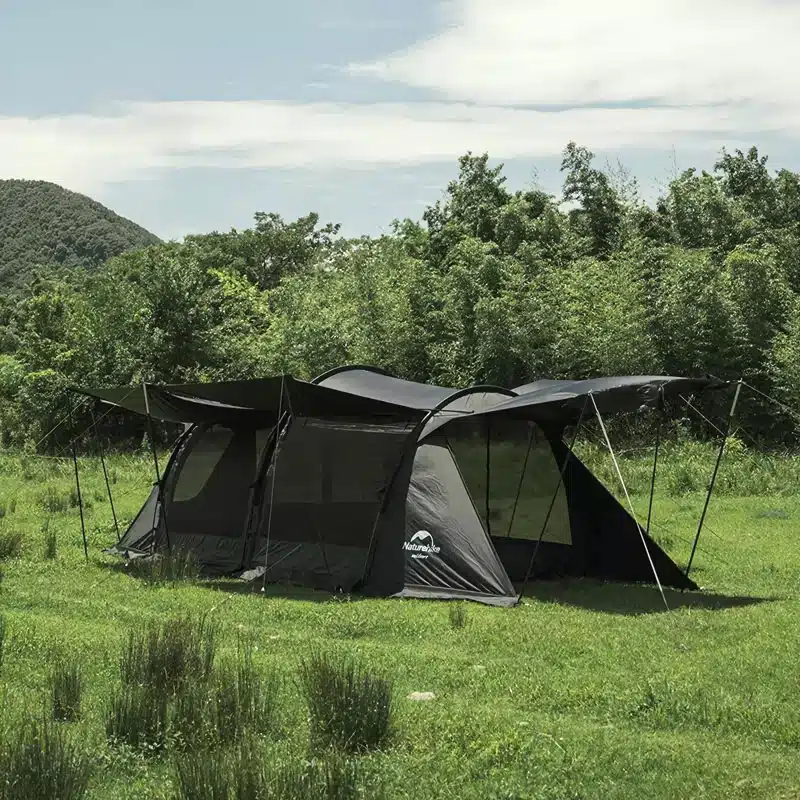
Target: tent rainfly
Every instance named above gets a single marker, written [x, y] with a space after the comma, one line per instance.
[361, 482]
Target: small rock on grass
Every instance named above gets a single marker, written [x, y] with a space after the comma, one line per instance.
[421, 696]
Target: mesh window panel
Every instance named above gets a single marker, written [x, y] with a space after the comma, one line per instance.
[207, 449]
[329, 481]
[493, 451]
[212, 489]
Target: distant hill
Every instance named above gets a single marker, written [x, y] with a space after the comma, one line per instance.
[42, 224]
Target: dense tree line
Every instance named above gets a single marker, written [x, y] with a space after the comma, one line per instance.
[42, 224]
[491, 285]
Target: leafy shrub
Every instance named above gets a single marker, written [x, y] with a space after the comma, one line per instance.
[166, 654]
[66, 687]
[40, 762]
[137, 717]
[458, 615]
[10, 544]
[349, 706]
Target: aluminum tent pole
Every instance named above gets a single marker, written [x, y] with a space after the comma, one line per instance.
[561, 475]
[659, 411]
[628, 499]
[78, 488]
[725, 436]
[105, 473]
[158, 470]
[273, 470]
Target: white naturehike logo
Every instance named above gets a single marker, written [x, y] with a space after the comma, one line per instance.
[421, 545]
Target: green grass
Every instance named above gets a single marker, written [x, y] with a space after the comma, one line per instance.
[584, 691]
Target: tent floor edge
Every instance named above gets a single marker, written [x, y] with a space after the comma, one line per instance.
[439, 593]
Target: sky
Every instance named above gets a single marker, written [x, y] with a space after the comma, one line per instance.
[189, 117]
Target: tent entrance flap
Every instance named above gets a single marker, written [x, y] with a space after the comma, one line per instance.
[330, 479]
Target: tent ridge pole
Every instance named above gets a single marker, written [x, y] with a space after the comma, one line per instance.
[161, 497]
[561, 475]
[713, 481]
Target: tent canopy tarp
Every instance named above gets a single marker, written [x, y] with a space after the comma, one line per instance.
[361, 393]
[255, 402]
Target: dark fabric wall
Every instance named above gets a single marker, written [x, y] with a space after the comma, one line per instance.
[329, 484]
[446, 546]
[606, 543]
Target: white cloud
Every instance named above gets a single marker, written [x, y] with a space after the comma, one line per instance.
[541, 52]
[86, 152]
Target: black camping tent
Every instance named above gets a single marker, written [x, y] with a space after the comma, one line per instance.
[365, 482]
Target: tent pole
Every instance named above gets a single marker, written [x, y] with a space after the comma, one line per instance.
[274, 467]
[78, 488]
[105, 472]
[628, 499]
[158, 470]
[659, 411]
[725, 436]
[561, 476]
[488, 474]
[521, 480]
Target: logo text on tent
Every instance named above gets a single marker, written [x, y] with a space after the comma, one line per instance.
[421, 545]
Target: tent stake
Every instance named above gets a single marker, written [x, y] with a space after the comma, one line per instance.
[105, 473]
[78, 487]
[659, 411]
[628, 499]
[561, 476]
[158, 470]
[721, 450]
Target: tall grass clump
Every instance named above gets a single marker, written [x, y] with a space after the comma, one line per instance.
[349, 706]
[244, 700]
[50, 550]
[10, 544]
[248, 776]
[39, 762]
[137, 717]
[333, 777]
[166, 654]
[458, 615]
[53, 501]
[66, 689]
[178, 566]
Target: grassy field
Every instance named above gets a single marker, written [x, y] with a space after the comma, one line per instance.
[584, 691]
